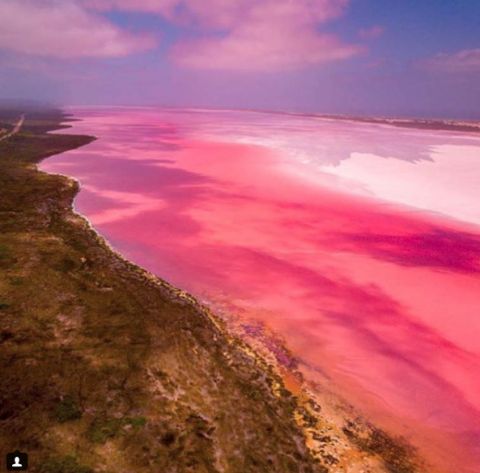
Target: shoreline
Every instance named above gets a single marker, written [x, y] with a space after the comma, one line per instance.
[355, 443]
[435, 124]
[314, 426]
[291, 376]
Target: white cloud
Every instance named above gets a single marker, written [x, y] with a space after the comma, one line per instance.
[460, 61]
[63, 29]
[248, 35]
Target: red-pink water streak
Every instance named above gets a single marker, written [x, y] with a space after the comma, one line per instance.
[379, 300]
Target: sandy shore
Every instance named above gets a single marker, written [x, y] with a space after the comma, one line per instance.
[117, 385]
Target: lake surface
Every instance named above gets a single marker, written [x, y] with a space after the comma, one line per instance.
[358, 244]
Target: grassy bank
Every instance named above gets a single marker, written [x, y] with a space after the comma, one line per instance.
[106, 368]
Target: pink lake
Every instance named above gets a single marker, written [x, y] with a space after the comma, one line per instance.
[358, 244]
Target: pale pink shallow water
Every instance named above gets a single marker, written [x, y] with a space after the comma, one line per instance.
[359, 244]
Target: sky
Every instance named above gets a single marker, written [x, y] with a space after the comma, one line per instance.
[369, 57]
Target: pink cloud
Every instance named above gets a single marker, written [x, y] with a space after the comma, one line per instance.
[262, 48]
[248, 35]
[268, 36]
[461, 61]
[218, 13]
[371, 33]
[63, 29]
[222, 13]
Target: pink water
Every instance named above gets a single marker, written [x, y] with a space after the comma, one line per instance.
[358, 244]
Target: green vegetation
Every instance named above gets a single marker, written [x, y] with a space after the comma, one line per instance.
[136, 422]
[101, 359]
[103, 429]
[67, 409]
[67, 464]
[6, 257]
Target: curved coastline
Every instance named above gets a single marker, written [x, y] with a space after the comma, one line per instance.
[318, 441]
[316, 423]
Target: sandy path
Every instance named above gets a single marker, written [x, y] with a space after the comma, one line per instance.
[15, 130]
